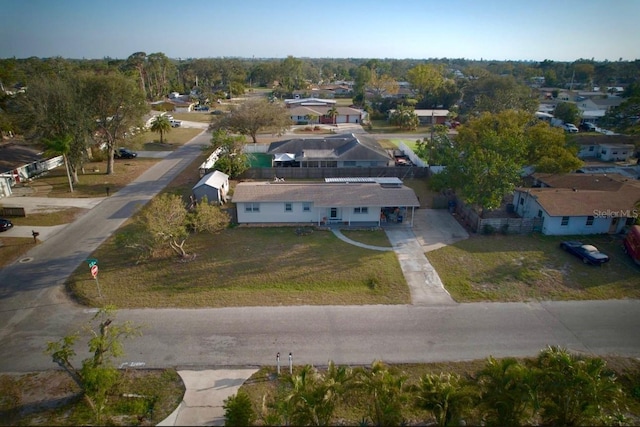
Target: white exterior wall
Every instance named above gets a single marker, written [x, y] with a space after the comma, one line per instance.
[275, 213]
[577, 225]
[552, 225]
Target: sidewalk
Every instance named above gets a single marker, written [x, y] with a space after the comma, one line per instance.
[204, 396]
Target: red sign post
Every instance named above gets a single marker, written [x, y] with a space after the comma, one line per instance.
[94, 271]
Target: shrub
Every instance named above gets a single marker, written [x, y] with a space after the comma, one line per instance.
[238, 410]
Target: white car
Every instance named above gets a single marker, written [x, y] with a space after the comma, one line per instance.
[175, 123]
[570, 127]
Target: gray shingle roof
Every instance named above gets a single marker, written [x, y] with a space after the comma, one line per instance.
[339, 147]
[323, 194]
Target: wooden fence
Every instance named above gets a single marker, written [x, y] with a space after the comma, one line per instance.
[321, 173]
[505, 225]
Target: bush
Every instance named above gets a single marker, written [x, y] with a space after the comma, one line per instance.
[488, 229]
[238, 410]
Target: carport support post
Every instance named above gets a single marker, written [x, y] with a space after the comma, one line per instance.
[278, 363]
[290, 364]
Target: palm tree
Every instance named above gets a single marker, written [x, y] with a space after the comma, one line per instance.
[161, 124]
[386, 393]
[333, 113]
[574, 390]
[506, 392]
[447, 396]
[60, 145]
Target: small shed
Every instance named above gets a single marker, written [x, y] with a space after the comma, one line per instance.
[215, 186]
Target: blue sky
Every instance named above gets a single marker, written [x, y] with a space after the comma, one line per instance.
[559, 30]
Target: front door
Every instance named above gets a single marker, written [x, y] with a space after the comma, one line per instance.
[613, 228]
[333, 214]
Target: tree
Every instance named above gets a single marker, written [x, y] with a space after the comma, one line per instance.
[405, 118]
[425, 79]
[332, 114]
[60, 146]
[447, 396]
[161, 124]
[507, 392]
[498, 93]
[385, 392]
[313, 396]
[625, 117]
[254, 116]
[573, 390]
[53, 109]
[208, 218]
[487, 157]
[383, 85]
[568, 112]
[550, 150]
[116, 104]
[165, 220]
[97, 375]
[232, 159]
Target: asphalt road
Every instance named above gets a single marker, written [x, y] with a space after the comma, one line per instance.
[34, 310]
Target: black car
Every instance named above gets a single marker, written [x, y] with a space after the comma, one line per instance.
[589, 254]
[5, 224]
[124, 153]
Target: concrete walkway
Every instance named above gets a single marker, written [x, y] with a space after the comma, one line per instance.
[432, 229]
[204, 396]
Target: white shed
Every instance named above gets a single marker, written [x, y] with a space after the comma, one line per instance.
[215, 186]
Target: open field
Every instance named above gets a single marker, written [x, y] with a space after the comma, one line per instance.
[533, 267]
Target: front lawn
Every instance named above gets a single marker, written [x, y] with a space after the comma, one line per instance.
[533, 267]
[248, 267]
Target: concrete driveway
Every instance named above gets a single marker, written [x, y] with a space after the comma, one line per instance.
[435, 228]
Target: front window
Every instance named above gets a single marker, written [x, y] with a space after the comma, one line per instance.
[306, 207]
[589, 220]
[565, 221]
[288, 207]
[362, 210]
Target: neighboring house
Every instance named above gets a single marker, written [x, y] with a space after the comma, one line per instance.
[349, 201]
[427, 117]
[320, 115]
[315, 102]
[215, 186]
[21, 163]
[573, 204]
[345, 150]
[608, 148]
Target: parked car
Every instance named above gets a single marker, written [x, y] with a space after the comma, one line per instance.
[588, 253]
[632, 243]
[570, 127]
[124, 153]
[5, 224]
[588, 127]
[175, 123]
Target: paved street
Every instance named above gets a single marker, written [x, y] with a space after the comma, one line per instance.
[34, 309]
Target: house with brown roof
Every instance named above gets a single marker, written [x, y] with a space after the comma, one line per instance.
[347, 201]
[574, 204]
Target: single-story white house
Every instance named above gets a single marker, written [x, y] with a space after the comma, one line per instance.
[319, 114]
[215, 186]
[348, 201]
[574, 204]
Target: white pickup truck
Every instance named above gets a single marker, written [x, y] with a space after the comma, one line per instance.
[175, 123]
